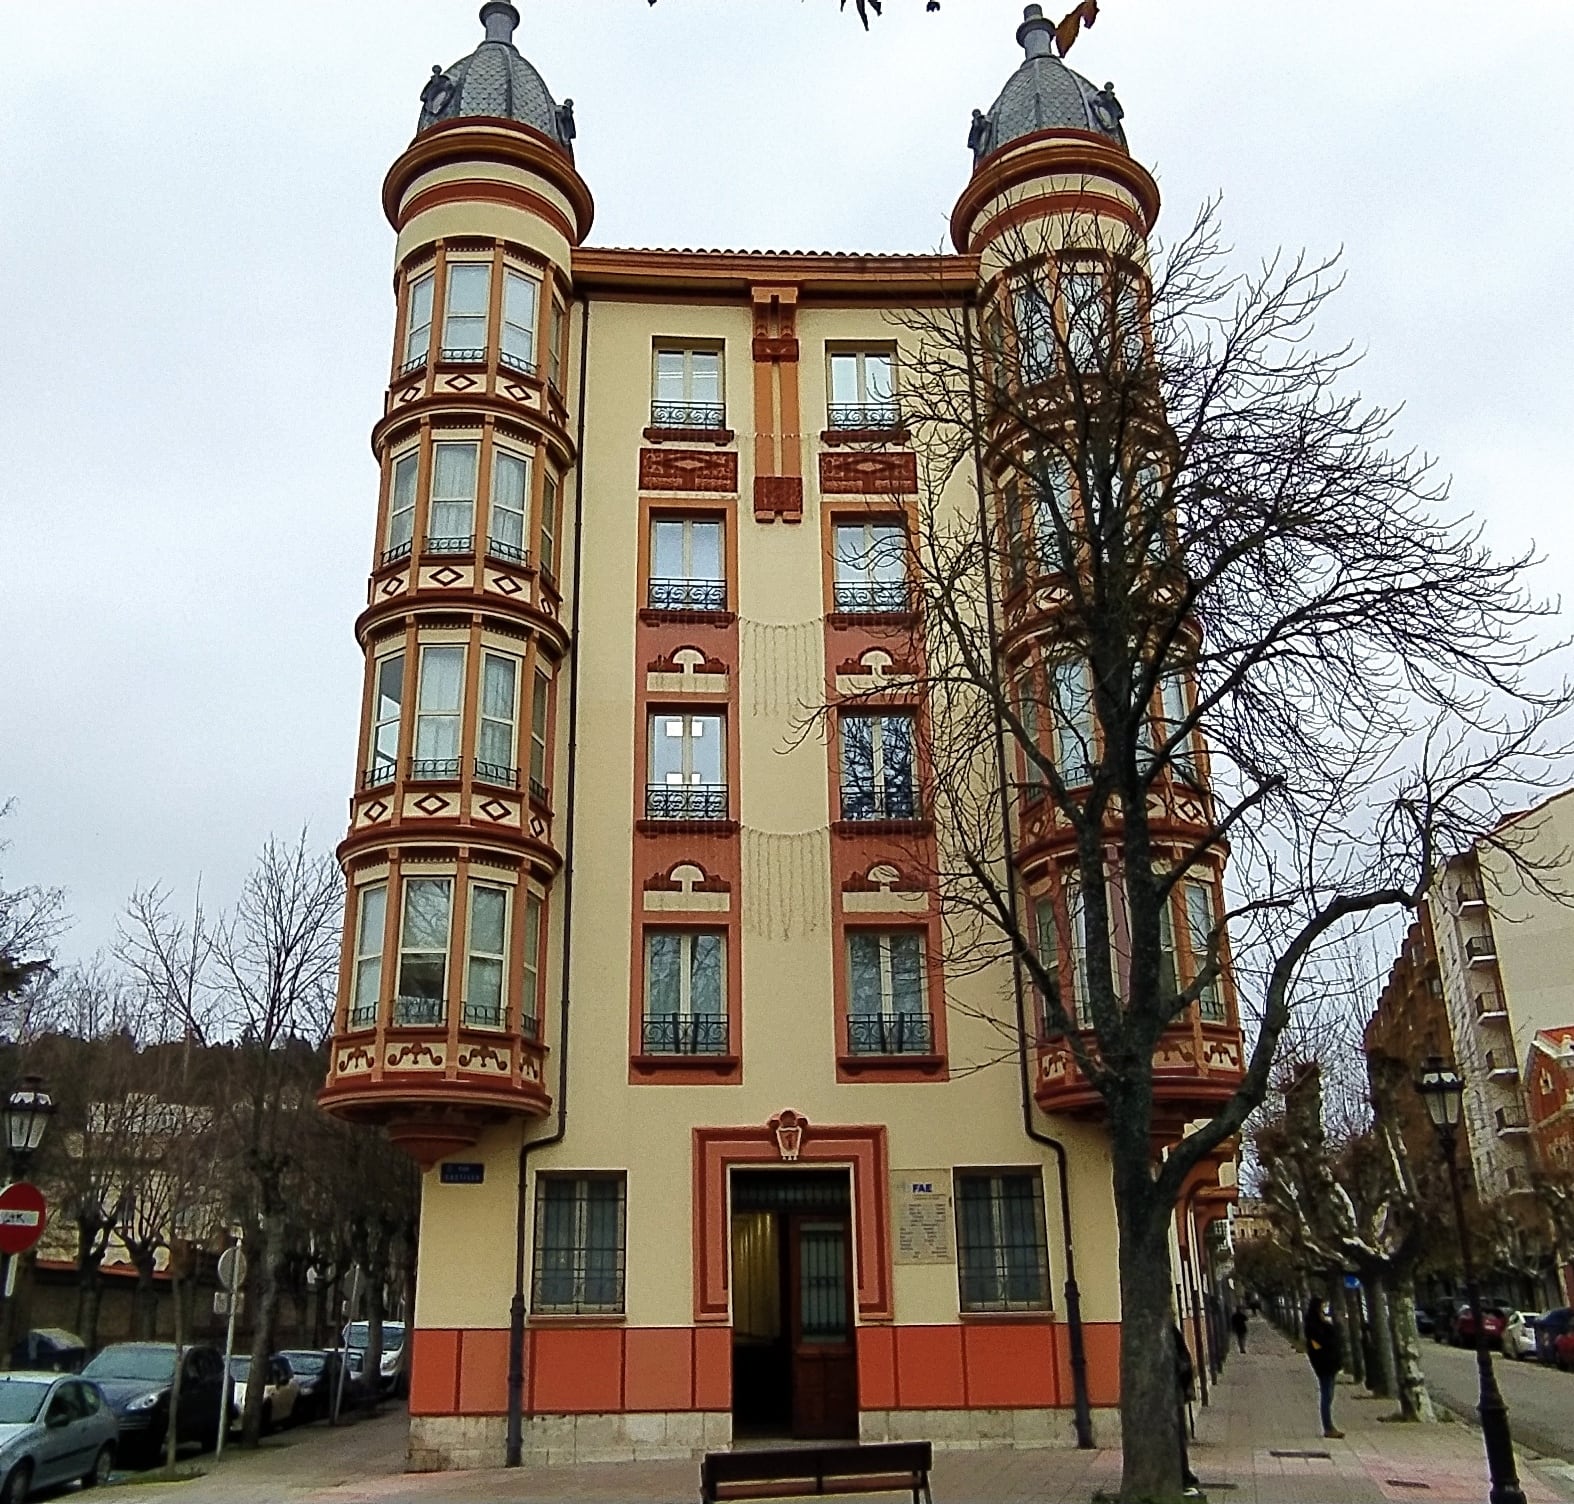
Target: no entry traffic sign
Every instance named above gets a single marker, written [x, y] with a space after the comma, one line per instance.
[21, 1217]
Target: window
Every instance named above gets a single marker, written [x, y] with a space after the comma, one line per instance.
[486, 963]
[1128, 320]
[687, 389]
[499, 720]
[1200, 923]
[548, 529]
[1046, 938]
[686, 571]
[579, 1243]
[687, 777]
[1035, 330]
[871, 567]
[1001, 1254]
[862, 390]
[886, 1005]
[423, 951]
[1016, 525]
[540, 706]
[1083, 303]
[1172, 714]
[437, 713]
[418, 323]
[1147, 512]
[1169, 975]
[450, 526]
[368, 957]
[1028, 712]
[994, 335]
[464, 325]
[387, 707]
[1052, 510]
[1077, 913]
[530, 1003]
[878, 781]
[510, 499]
[557, 355]
[1074, 739]
[401, 507]
[685, 993]
[519, 323]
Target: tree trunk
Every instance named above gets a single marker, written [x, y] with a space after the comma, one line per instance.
[269, 1275]
[171, 1445]
[1354, 1327]
[372, 1364]
[1382, 1378]
[144, 1299]
[1415, 1401]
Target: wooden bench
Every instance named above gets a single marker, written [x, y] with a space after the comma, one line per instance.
[810, 1472]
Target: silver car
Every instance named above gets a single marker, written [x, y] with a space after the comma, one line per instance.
[54, 1428]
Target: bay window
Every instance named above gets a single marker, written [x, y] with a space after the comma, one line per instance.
[368, 982]
[450, 524]
[1074, 736]
[418, 323]
[464, 322]
[387, 711]
[547, 533]
[499, 720]
[1046, 946]
[1084, 305]
[437, 717]
[401, 506]
[486, 957]
[520, 309]
[529, 1014]
[1035, 329]
[685, 1009]
[1200, 925]
[423, 951]
[540, 706]
[510, 501]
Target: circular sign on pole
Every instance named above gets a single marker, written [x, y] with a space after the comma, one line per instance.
[232, 1268]
[22, 1214]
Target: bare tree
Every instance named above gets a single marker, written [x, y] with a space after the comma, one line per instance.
[31, 919]
[1196, 605]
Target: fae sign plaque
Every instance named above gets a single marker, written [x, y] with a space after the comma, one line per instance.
[921, 1217]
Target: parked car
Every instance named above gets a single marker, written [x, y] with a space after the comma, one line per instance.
[316, 1373]
[1441, 1315]
[50, 1349]
[1492, 1322]
[1552, 1326]
[53, 1430]
[1519, 1334]
[136, 1379]
[394, 1374]
[280, 1392]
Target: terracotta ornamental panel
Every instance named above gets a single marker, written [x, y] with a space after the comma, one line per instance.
[687, 470]
[855, 474]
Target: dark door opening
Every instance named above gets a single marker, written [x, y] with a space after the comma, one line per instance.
[794, 1363]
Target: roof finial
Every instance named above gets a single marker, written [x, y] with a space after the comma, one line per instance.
[500, 18]
[1034, 33]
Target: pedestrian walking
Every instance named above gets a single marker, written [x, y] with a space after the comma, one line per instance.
[1238, 1325]
[1184, 1378]
[1325, 1352]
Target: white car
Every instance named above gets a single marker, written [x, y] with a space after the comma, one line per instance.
[279, 1394]
[1519, 1334]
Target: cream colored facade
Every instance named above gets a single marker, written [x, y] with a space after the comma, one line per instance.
[781, 1242]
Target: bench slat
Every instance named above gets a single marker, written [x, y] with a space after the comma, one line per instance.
[808, 1472]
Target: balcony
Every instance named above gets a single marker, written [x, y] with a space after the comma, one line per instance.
[862, 803]
[412, 365]
[692, 417]
[686, 801]
[512, 553]
[887, 1034]
[687, 595]
[520, 364]
[363, 1016]
[1196, 1068]
[419, 1012]
[1511, 1122]
[457, 543]
[394, 554]
[863, 417]
[464, 355]
[540, 793]
[684, 1034]
[482, 1015]
[1481, 950]
[500, 775]
[377, 775]
[872, 597]
[1490, 1008]
[1501, 1067]
[433, 769]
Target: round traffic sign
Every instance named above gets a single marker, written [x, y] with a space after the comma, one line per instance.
[22, 1215]
[232, 1268]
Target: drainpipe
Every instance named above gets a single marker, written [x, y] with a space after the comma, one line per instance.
[1082, 1413]
[516, 1310]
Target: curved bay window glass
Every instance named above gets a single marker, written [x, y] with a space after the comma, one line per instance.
[401, 507]
[387, 711]
[450, 523]
[1002, 1257]
[1035, 329]
[1052, 510]
[499, 721]
[1075, 751]
[540, 709]
[464, 321]
[547, 533]
[685, 993]
[529, 1017]
[368, 957]
[1085, 307]
[879, 777]
[1046, 940]
[423, 952]
[418, 322]
[510, 502]
[520, 305]
[1200, 925]
[437, 713]
[486, 957]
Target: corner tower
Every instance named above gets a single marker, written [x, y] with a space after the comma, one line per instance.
[453, 846]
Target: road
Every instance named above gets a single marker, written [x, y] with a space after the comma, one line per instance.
[1540, 1400]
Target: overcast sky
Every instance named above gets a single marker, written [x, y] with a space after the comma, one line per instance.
[195, 311]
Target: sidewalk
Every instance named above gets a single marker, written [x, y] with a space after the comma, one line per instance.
[1264, 1406]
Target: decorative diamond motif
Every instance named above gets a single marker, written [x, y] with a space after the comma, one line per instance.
[506, 584]
[392, 587]
[431, 804]
[460, 383]
[410, 393]
[514, 390]
[494, 809]
[538, 826]
[376, 810]
[447, 575]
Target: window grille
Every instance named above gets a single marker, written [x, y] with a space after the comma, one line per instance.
[1002, 1258]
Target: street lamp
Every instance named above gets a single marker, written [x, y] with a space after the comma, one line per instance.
[25, 1117]
[1442, 1089]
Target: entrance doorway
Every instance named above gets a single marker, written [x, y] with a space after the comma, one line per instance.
[794, 1365]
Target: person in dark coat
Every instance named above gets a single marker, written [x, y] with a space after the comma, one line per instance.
[1184, 1377]
[1238, 1325]
[1325, 1352]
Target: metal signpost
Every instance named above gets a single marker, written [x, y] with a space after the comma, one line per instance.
[232, 1275]
[344, 1350]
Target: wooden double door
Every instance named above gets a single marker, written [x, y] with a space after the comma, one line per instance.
[795, 1365]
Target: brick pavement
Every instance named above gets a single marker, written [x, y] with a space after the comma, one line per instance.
[1266, 1403]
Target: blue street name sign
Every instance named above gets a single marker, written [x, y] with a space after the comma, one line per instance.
[461, 1174]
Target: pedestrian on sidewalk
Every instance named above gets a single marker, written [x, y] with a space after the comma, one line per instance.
[1238, 1325]
[1184, 1378]
[1325, 1352]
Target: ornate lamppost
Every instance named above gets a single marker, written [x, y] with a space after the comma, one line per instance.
[24, 1119]
[1443, 1090]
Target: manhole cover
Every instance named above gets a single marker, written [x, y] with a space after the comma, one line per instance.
[1326, 1456]
[1406, 1483]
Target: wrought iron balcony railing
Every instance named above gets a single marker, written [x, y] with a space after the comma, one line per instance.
[890, 1034]
[538, 792]
[684, 1034]
[482, 1015]
[690, 801]
[866, 596]
[413, 364]
[498, 549]
[844, 415]
[433, 769]
[511, 362]
[530, 1026]
[378, 774]
[420, 1012]
[687, 595]
[708, 415]
[458, 543]
[464, 355]
[363, 1015]
[497, 773]
[860, 802]
[397, 552]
